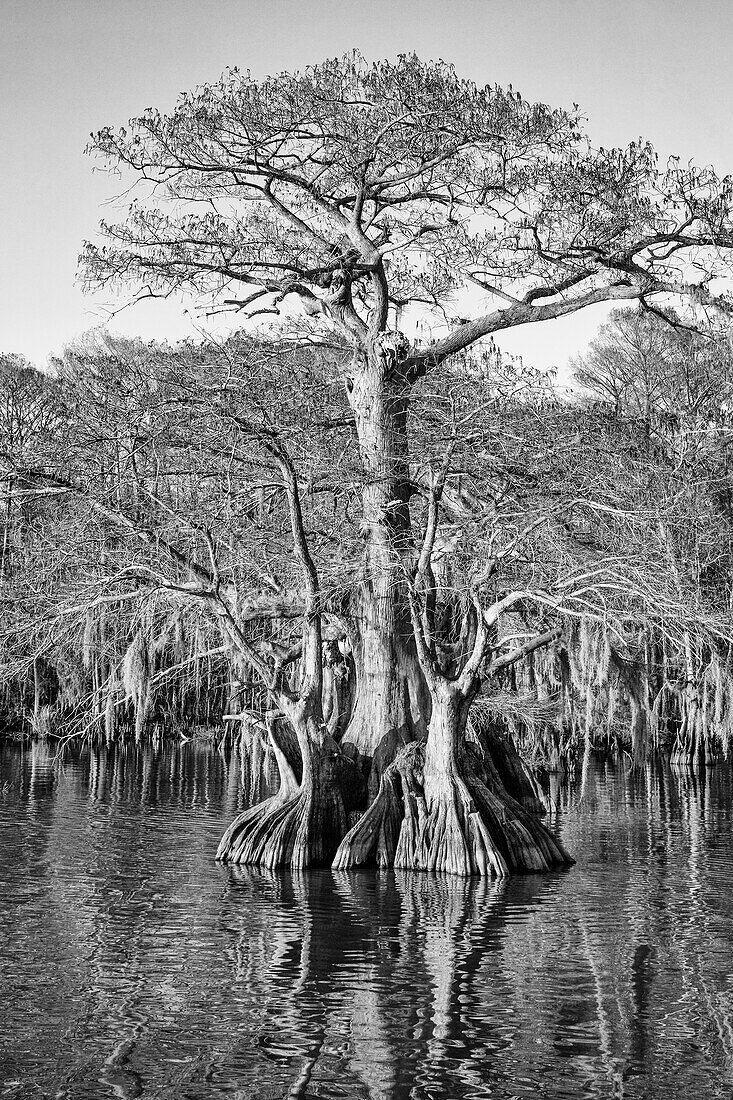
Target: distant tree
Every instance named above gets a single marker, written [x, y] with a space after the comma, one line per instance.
[28, 418]
[645, 366]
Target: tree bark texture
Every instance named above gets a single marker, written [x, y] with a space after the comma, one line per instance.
[302, 824]
[457, 816]
[392, 702]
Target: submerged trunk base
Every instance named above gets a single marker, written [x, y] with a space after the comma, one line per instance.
[459, 820]
[694, 757]
[444, 829]
[372, 840]
[294, 829]
[269, 834]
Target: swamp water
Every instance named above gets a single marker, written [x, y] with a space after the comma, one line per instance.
[132, 965]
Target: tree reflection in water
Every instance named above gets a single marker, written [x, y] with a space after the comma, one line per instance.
[137, 966]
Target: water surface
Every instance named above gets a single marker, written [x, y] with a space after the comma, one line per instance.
[132, 965]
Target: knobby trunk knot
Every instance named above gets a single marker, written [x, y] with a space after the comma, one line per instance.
[394, 347]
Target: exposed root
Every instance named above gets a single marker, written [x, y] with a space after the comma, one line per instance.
[293, 829]
[526, 843]
[455, 823]
[513, 773]
[373, 839]
[301, 826]
[442, 829]
[460, 822]
[265, 834]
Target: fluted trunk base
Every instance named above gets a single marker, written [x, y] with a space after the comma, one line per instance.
[459, 820]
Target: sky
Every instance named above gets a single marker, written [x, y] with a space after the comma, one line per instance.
[659, 69]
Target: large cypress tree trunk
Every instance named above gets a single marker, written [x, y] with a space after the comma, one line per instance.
[392, 703]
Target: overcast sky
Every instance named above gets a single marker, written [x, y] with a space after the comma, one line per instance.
[660, 69]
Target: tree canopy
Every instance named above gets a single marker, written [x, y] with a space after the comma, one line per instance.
[363, 187]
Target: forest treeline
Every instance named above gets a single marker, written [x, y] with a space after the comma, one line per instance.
[129, 468]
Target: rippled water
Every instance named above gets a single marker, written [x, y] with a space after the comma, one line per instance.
[132, 965]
